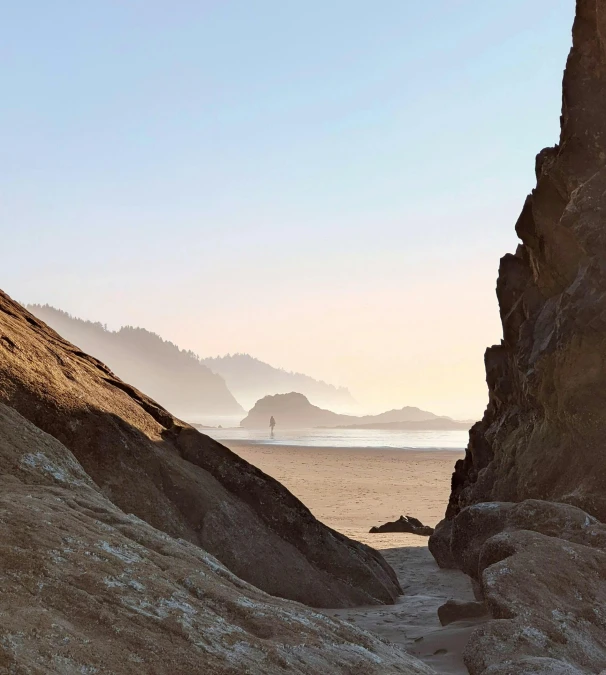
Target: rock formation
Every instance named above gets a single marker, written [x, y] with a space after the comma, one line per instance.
[541, 569]
[294, 411]
[542, 435]
[166, 473]
[87, 588]
[404, 524]
[512, 522]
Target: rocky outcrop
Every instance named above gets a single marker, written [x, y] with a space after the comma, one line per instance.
[163, 471]
[87, 588]
[294, 411]
[541, 569]
[542, 435]
[404, 524]
[512, 522]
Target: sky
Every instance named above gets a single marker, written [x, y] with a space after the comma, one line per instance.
[327, 185]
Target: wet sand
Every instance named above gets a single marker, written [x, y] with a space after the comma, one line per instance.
[352, 489]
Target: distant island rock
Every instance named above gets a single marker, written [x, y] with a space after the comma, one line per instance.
[294, 411]
[176, 378]
[250, 379]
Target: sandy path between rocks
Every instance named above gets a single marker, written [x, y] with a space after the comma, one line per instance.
[352, 489]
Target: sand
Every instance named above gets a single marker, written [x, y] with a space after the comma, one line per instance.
[352, 489]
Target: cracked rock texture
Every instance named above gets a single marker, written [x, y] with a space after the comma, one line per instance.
[181, 482]
[86, 588]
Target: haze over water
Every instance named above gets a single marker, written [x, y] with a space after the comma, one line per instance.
[347, 438]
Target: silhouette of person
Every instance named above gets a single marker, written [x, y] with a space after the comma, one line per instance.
[272, 424]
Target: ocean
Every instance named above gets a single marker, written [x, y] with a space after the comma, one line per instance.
[346, 438]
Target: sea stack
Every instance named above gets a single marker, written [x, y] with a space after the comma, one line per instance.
[520, 519]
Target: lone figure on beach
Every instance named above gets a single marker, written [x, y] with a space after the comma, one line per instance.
[272, 424]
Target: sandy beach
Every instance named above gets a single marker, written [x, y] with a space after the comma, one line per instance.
[352, 489]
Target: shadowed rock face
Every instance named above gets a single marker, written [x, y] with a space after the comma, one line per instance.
[88, 589]
[179, 481]
[512, 522]
[543, 433]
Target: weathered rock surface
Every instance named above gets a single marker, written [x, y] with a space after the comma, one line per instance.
[404, 524]
[542, 435]
[86, 588]
[179, 481]
[541, 569]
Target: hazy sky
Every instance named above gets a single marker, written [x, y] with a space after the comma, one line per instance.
[327, 185]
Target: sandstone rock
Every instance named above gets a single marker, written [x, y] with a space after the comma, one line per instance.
[86, 588]
[458, 610]
[404, 524]
[542, 435]
[179, 481]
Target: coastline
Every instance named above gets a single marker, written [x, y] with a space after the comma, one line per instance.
[352, 489]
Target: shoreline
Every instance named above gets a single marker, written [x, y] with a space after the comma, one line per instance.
[352, 489]
[241, 443]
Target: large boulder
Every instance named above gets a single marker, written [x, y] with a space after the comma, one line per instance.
[87, 588]
[542, 435]
[181, 482]
[541, 570]
[546, 596]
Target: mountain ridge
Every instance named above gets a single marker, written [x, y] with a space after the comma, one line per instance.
[224, 383]
[243, 372]
[176, 378]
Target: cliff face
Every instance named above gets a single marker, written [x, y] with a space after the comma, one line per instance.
[512, 522]
[154, 466]
[89, 589]
[543, 434]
